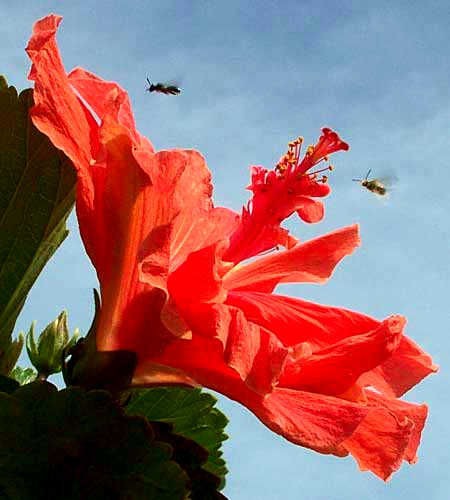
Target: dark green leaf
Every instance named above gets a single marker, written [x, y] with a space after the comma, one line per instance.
[193, 414]
[191, 457]
[37, 192]
[75, 444]
[9, 353]
[8, 385]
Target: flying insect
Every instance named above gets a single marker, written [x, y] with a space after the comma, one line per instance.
[163, 88]
[376, 186]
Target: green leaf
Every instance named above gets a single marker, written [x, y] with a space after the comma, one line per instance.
[37, 193]
[81, 445]
[193, 414]
[203, 485]
[23, 375]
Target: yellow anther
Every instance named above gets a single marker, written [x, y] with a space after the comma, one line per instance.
[281, 167]
[291, 159]
[310, 150]
[330, 167]
[324, 178]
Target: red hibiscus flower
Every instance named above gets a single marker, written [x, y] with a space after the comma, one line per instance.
[178, 290]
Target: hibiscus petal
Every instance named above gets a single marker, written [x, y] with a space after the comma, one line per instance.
[295, 320]
[380, 443]
[255, 354]
[96, 92]
[379, 434]
[335, 369]
[117, 247]
[199, 278]
[119, 203]
[66, 121]
[177, 218]
[310, 262]
[179, 200]
[246, 350]
[314, 421]
[181, 197]
[57, 111]
[413, 412]
[310, 210]
[405, 369]
[60, 115]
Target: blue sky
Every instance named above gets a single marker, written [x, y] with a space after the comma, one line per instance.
[255, 75]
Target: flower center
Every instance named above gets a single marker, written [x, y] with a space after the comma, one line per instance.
[280, 192]
[291, 162]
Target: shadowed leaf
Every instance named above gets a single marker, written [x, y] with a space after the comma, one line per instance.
[37, 193]
[193, 414]
[8, 385]
[75, 444]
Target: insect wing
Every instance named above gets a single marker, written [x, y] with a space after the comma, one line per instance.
[171, 89]
[383, 185]
[387, 180]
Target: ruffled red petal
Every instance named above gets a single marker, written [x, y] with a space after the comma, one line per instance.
[295, 320]
[388, 437]
[57, 111]
[310, 262]
[99, 94]
[402, 371]
[335, 369]
[413, 412]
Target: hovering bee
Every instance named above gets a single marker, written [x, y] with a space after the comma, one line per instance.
[376, 186]
[163, 88]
